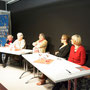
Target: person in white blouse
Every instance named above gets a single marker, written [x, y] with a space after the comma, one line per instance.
[19, 43]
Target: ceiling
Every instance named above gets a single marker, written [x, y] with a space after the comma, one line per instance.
[10, 1]
[5, 0]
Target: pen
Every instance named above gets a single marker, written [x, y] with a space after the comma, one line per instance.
[68, 71]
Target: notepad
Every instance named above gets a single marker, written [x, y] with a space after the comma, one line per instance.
[81, 68]
[43, 61]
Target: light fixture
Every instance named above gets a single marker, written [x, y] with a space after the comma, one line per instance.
[12, 1]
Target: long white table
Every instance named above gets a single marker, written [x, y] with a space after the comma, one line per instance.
[59, 70]
[7, 50]
[19, 52]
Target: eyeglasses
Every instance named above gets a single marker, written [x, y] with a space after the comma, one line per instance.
[63, 39]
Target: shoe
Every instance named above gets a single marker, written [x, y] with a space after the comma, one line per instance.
[41, 82]
[4, 65]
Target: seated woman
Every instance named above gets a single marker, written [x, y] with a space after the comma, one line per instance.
[64, 48]
[77, 53]
[19, 43]
[40, 47]
[63, 52]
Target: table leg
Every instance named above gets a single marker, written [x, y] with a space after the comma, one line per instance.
[25, 68]
[33, 76]
[69, 84]
[75, 84]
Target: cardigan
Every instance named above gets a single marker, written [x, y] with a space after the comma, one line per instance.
[78, 57]
[40, 46]
[64, 51]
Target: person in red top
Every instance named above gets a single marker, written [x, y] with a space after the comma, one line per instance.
[10, 40]
[77, 51]
[77, 54]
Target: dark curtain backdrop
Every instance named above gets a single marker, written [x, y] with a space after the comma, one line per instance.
[52, 18]
[2, 5]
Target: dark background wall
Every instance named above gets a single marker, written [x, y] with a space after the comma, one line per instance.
[52, 17]
[2, 5]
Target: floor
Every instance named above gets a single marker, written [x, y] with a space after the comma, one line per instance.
[9, 77]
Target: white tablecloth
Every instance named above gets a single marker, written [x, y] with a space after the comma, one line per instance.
[20, 52]
[59, 70]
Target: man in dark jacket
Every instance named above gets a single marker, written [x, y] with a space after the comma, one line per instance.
[9, 41]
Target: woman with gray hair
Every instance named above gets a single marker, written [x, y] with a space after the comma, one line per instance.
[19, 43]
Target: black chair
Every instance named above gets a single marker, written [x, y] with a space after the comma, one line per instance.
[84, 81]
[87, 59]
[14, 60]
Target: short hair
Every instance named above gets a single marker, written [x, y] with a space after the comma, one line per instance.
[9, 36]
[42, 34]
[20, 34]
[77, 39]
[66, 37]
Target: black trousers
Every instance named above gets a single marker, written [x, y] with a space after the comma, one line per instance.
[15, 58]
[57, 86]
[6, 58]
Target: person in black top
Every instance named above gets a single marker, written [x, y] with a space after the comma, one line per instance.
[9, 41]
[63, 52]
[64, 48]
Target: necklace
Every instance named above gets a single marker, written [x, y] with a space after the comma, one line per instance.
[76, 48]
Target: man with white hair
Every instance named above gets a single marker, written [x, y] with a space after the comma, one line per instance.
[9, 41]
